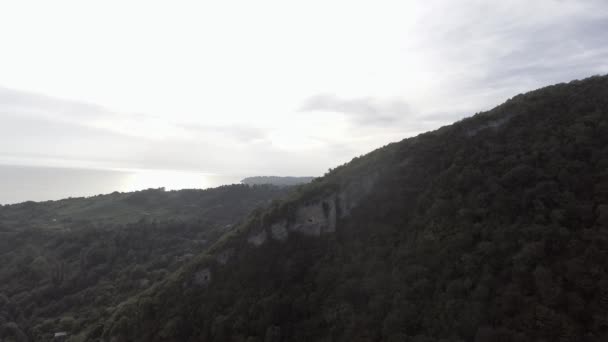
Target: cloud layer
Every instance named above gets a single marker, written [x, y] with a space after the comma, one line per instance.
[362, 111]
[43, 131]
[273, 88]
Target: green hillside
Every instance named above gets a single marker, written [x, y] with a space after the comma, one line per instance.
[130, 207]
[490, 229]
[67, 264]
[275, 180]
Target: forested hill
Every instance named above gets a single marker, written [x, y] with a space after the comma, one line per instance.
[490, 229]
[65, 265]
[275, 180]
[129, 207]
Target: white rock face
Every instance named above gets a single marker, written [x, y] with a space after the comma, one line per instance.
[257, 238]
[319, 217]
[224, 256]
[202, 277]
[278, 231]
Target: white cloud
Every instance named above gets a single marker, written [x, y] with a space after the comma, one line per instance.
[363, 111]
[220, 86]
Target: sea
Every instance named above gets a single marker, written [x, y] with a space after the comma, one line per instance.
[36, 183]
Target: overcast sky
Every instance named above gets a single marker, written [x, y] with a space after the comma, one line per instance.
[269, 87]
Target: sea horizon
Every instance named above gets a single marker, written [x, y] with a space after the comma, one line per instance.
[22, 183]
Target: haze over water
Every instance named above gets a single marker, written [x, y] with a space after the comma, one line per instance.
[33, 183]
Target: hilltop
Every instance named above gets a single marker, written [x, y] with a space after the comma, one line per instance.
[278, 181]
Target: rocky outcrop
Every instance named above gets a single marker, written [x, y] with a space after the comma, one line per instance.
[312, 218]
[225, 255]
[278, 231]
[257, 238]
[318, 217]
[202, 277]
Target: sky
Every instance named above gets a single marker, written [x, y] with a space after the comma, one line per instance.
[269, 87]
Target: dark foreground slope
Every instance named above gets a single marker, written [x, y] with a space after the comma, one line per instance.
[491, 229]
[66, 264]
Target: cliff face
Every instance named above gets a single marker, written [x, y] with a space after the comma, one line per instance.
[316, 217]
[312, 218]
[489, 229]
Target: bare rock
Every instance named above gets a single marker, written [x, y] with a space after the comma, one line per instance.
[278, 231]
[202, 277]
[224, 256]
[257, 238]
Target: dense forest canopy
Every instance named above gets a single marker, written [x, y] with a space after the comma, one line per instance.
[67, 264]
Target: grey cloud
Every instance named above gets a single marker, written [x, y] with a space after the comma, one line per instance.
[484, 54]
[15, 126]
[241, 132]
[365, 111]
[475, 55]
[40, 129]
[41, 139]
[518, 50]
[443, 117]
[22, 102]
[34, 126]
[555, 52]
